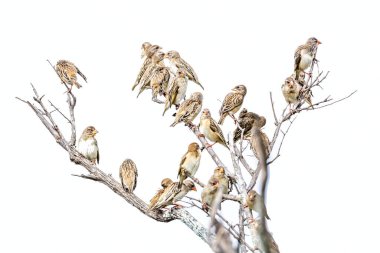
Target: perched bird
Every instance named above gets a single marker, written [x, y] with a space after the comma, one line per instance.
[88, 145]
[177, 90]
[128, 175]
[257, 137]
[190, 162]
[67, 72]
[304, 55]
[223, 181]
[174, 192]
[254, 200]
[209, 193]
[210, 129]
[176, 60]
[164, 183]
[155, 77]
[147, 51]
[189, 109]
[232, 103]
[245, 121]
[291, 90]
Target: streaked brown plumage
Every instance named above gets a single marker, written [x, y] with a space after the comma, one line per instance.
[155, 77]
[88, 145]
[67, 72]
[175, 58]
[219, 174]
[177, 90]
[232, 103]
[174, 192]
[190, 162]
[147, 51]
[258, 136]
[210, 129]
[164, 183]
[189, 109]
[245, 121]
[128, 175]
[254, 200]
[290, 90]
[304, 55]
[209, 193]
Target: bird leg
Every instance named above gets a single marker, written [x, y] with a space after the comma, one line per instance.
[200, 135]
[177, 206]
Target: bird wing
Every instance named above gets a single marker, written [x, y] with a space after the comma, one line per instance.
[217, 130]
[81, 74]
[172, 95]
[298, 56]
[168, 195]
[231, 101]
[144, 67]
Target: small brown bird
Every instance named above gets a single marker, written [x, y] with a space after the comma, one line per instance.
[155, 77]
[189, 109]
[209, 193]
[147, 50]
[164, 183]
[223, 181]
[177, 90]
[176, 60]
[258, 136]
[246, 121]
[291, 90]
[254, 200]
[304, 55]
[128, 175]
[88, 145]
[174, 192]
[67, 72]
[190, 162]
[211, 130]
[232, 103]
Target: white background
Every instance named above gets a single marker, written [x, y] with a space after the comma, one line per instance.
[323, 193]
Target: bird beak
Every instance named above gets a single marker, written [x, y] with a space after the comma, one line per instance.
[318, 42]
[142, 53]
[96, 131]
[194, 188]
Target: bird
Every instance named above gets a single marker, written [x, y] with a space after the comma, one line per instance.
[175, 58]
[219, 174]
[189, 109]
[88, 145]
[164, 183]
[211, 130]
[177, 90]
[291, 90]
[67, 72]
[155, 77]
[174, 192]
[304, 55]
[128, 175]
[190, 162]
[254, 200]
[257, 137]
[245, 122]
[147, 51]
[232, 103]
[209, 193]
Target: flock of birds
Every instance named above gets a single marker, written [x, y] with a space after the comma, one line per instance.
[171, 83]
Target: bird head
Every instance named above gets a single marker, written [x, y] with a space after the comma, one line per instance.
[241, 89]
[219, 171]
[144, 48]
[197, 96]
[152, 50]
[252, 195]
[313, 41]
[190, 185]
[290, 83]
[158, 56]
[181, 72]
[89, 131]
[166, 182]
[242, 113]
[205, 113]
[193, 147]
[172, 55]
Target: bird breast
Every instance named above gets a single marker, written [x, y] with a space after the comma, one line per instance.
[206, 130]
[191, 163]
[88, 148]
[182, 87]
[305, 62]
